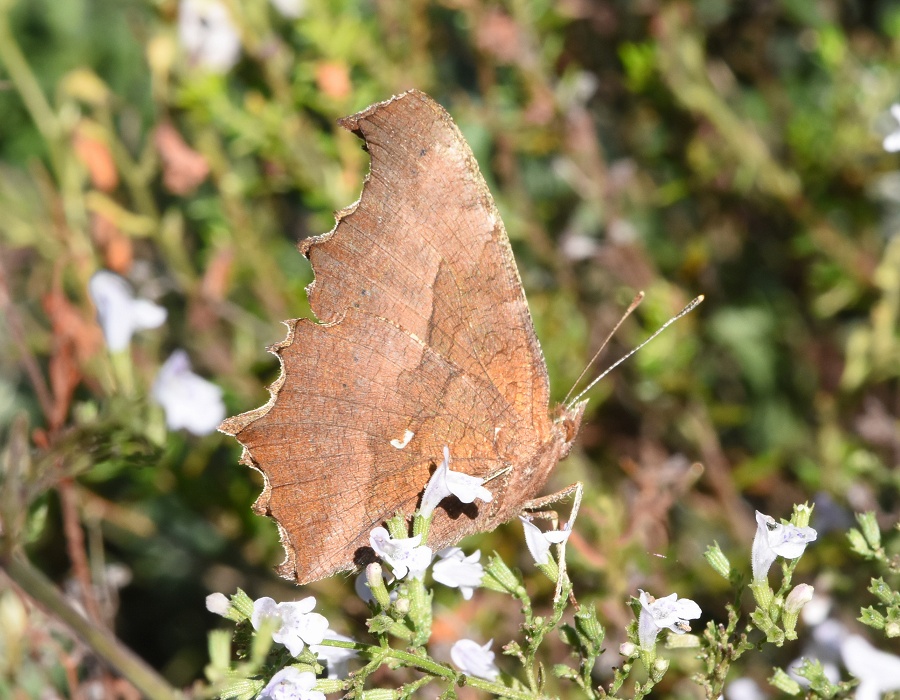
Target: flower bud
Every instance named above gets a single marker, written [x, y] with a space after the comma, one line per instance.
[802, 514]
[376, 585]
[869, 526]
[587, 624]
[499, 577]
[628, 650]
[718, 561]
[218, 603]
[858, 542]
[797, 598]
[785, 683]
[795, 601]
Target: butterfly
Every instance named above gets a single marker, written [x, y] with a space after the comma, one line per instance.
[423, 340]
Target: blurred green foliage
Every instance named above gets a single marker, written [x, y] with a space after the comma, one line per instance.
[729, 149]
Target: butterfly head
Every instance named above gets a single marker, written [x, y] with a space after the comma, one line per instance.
[568, 422]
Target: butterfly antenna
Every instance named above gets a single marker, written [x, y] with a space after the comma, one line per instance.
[634, 304]
[686, 310]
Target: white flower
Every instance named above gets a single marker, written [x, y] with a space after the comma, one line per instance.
[208, 35]
[444, 483]
[218, 603]
[298, 625]
[878, 672]
[774, 539]
[475, 660]
[664, 613]
[119, 313]
[539, 542]
[892, 140]
[291, 684]
[744, 689]
[335, 658]
[189, 400]
[292, 9]
[457, 570]
[406, 556]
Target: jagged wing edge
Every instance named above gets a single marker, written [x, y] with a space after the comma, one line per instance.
[235, 424]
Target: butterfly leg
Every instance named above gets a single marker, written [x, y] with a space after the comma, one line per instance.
[543, 501]
[578, 489]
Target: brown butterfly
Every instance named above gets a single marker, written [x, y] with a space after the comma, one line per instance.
[424, 340]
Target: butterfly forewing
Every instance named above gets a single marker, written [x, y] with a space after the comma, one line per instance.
[424, 330]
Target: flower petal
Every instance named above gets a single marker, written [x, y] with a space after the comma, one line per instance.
[891, 142]
[457, 570]
[537, 544]
[145, 315]
[208, 35]
[474, 659]
[189, 401]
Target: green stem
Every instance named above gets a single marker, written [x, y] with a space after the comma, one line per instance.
[29, 88]
[436, 669]
[420, 662]
[104, 644]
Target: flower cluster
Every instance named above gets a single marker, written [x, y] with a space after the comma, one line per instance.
[297, 627]
[407, 556]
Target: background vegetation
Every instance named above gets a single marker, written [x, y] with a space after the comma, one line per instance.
[728, 149]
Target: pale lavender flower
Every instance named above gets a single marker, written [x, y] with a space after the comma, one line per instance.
[457, 570]
[878, 672]
[538, 542]
[445, 482]
[892, 140]
[774, 539]
[120, 314]
[208, 35]
[664, 613]
[189, 401]
[291, 684]
[406, 556]
[474, 659]
[297, 624]
[336, 658]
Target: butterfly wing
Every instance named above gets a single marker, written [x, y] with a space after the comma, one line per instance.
[424, 330]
